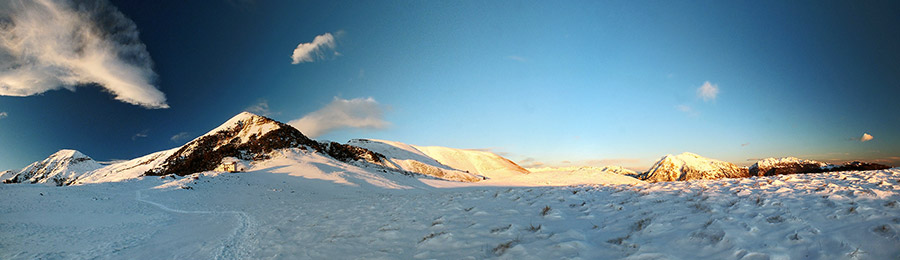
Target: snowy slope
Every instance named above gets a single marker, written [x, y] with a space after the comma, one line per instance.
[60, 168]
[408, 158]
[482, 163]
[689, 166]
[127, 170]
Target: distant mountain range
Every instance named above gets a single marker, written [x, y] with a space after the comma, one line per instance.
[251, 138]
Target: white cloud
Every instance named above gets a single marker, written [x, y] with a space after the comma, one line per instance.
[866, 137]
[180, 137]
[142, 134]
[687, 109]
[3, 115]
[48, 45]
[708, 91]
[310, 51]
[342, 113]
[260, 108]
[530, 163]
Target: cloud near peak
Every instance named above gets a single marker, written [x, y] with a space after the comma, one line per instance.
[310, 51]
[363, 113]
[48, 45]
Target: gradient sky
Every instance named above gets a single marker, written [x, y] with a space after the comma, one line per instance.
[558, 83]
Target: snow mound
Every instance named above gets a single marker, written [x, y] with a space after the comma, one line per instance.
[61, 168]
[406, 157]
[785, 165]
[689, 166]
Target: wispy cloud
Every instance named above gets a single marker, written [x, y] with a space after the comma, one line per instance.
[310, 51]
[183, 136]
[517, 58]
[745, 144]
[141, 134]
[48, 45]
[3, 115]
[866, 137]
[260, 108]
[708, 91]
[687, 109]
[363, 113]
[530, 163]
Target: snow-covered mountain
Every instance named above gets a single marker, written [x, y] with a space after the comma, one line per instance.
[689, 166]
[245, 136]
[785, 165]
[61, 168]
[443, 162]
[407, 157]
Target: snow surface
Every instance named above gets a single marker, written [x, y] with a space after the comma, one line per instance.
[303, 205]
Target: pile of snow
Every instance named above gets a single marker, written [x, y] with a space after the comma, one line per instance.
[60, 168]
[689, 166]
[785, 165]
[409, 158]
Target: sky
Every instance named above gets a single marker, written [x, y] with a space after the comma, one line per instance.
[544, 83]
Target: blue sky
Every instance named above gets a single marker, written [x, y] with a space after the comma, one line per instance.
[541, 82]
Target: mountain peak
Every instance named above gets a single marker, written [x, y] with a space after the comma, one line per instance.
[62, 167]
[691, 166]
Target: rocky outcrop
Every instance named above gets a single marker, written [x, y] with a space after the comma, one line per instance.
[689, 166]
[785, 165]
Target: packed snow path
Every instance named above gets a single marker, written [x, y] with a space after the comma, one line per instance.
[234, 246]
[846, 215]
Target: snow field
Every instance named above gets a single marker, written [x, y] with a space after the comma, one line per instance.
[267, 214]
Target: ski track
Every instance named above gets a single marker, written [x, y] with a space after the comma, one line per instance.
[234, 246]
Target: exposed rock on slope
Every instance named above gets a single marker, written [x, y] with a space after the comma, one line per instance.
[859, 166]
[689, 166]
[250, 137]
[793, 165]
[785, 165]
[61, 168]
